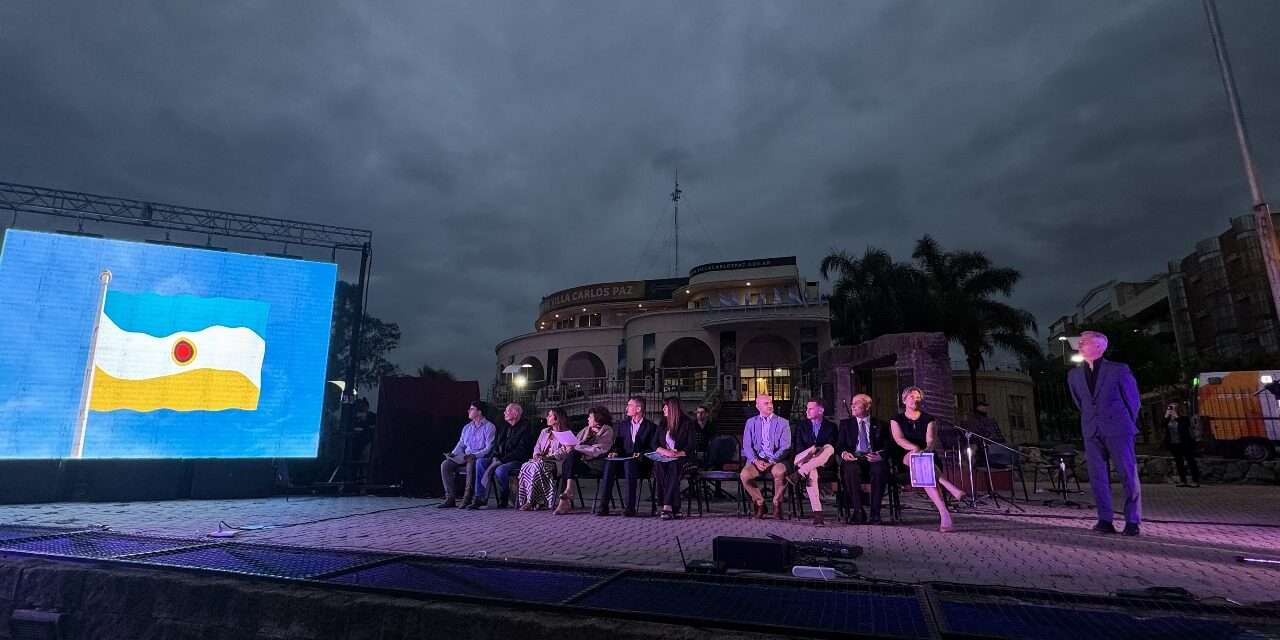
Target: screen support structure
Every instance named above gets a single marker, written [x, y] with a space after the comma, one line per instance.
[83, 207]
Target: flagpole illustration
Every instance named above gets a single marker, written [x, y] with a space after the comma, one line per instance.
[82, 420]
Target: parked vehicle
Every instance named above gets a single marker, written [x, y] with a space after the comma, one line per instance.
[1239, 413]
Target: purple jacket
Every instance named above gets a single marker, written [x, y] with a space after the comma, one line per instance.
[1112, 409]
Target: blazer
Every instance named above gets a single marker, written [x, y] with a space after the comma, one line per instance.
[598, 446]
[514, 443]
[802, 435]
[1112, 409]
[878, 437]
[686, 436]
[622, 442]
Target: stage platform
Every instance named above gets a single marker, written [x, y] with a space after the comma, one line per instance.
[1046, 557]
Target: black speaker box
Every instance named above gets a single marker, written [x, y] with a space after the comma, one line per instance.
[756, 554]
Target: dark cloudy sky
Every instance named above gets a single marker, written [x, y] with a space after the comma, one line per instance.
[500, 151]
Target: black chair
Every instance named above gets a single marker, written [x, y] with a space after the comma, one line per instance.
[998, 461]
[1048, 462]
[722, 452]
[894, 481]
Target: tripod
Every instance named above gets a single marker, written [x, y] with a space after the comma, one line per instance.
[985, 442]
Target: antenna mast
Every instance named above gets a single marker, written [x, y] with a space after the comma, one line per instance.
[675, 200]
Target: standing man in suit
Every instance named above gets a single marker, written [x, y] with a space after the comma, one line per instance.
[1107, 395]
[815, 440]
[859, 444]
[631, 439]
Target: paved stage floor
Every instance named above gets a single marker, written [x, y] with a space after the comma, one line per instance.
[1190, 539]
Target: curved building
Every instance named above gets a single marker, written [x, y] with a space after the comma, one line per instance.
[743, 327]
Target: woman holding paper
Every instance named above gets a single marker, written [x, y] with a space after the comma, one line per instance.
[916, 431]
[676, 441]
[594, 443]
[538, 476]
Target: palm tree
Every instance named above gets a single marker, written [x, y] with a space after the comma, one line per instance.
[872, 296]
[431, 373]
[961, 287]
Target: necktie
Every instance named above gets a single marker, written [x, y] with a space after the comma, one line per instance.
[862, 436]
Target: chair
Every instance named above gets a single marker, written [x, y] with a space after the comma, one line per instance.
[1048, 463]
[723, 452]
[894, 480]
[997, 461]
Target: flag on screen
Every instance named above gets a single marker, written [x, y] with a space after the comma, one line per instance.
[182, 353]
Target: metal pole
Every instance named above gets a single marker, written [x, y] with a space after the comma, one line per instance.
[1261, 211]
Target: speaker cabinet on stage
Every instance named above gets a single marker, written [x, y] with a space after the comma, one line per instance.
[418, 421]
[756, 554]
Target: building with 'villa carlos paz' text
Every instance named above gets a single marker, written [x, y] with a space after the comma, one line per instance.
[733, 328]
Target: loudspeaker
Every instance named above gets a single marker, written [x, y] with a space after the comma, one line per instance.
[756, 554]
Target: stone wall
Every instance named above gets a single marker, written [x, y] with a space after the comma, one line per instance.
[1161, 469]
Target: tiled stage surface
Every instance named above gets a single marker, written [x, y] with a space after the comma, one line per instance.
[1190, 539]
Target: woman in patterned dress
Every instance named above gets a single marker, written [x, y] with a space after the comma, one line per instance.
[538, 476]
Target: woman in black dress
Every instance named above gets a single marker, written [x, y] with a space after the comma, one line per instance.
[916, 432]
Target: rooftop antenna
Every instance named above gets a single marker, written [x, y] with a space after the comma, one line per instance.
[675, 201]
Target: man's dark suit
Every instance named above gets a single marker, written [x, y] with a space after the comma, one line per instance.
[632, 468]
[878, 439]
[1109, 420]
[802, 436]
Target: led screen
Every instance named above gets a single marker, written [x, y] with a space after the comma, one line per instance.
[113, 349]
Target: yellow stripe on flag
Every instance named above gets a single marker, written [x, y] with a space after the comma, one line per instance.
[199, 390]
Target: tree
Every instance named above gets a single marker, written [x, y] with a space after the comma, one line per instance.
[961, 289]
[378, 338]
[872, 296]
[431, 373]
[1153, 362]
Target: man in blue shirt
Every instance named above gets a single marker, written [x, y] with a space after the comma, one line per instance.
[476, 440]
[766, 445]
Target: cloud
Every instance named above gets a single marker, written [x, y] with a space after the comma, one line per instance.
[503, 152]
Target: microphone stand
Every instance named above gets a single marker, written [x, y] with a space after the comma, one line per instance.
[985, 442]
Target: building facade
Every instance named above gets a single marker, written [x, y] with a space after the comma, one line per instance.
[1146, 303]
[1222, 304]
[740, 328]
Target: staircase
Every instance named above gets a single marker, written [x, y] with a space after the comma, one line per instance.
[732, 416]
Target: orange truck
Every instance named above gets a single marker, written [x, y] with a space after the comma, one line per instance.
[1240, 410]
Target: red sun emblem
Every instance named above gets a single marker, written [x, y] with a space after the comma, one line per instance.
[183, 351]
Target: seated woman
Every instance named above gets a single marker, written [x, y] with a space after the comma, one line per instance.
[538, 476]
[594, 443]
[676, 439]
[917, 432]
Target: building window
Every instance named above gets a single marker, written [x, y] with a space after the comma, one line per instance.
[592, 320]
[1018, 417]
[963, 406]
[565, 323]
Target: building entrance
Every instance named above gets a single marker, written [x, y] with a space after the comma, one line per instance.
[777, 382]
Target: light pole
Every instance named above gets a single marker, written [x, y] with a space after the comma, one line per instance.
[1261, 211]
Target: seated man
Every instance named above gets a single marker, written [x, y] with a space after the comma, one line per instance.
[631, 440]
[860, 445]
[512, 445]
[473, 445]
[706, 432]
[766, 441]
[816, 442]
